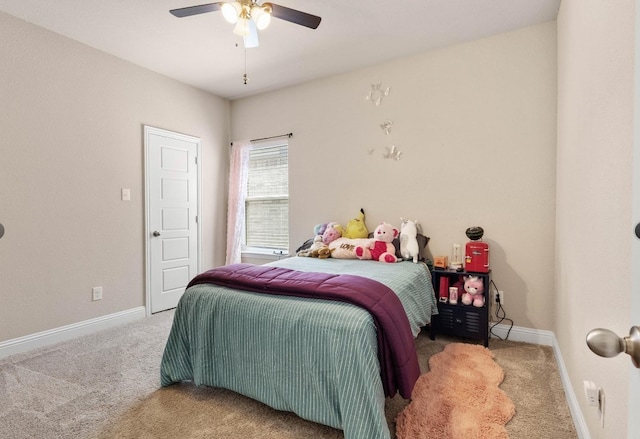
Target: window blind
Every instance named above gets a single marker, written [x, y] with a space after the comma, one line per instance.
[267, 203]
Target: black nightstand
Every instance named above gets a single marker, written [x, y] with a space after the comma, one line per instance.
[458, 319]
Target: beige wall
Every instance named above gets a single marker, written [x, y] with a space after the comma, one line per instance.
[476, 124]
[594, 223]
[71, 136]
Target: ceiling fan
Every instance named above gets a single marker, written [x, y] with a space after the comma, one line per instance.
[249, 16]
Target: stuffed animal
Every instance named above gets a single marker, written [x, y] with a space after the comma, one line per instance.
[317, 244]
[473, 291]
[330, 235]
[381, 248]
[356, 228]
[319, 229]
[317, 250]
[322, 253]
[409, 240]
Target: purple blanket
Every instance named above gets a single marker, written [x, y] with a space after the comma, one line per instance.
[396, 348]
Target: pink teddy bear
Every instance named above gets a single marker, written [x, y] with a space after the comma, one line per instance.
[473, 291]
[381, 247]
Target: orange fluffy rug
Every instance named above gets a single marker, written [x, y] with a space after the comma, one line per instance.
[458, 398]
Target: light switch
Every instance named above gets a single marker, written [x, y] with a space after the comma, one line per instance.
[126, 194]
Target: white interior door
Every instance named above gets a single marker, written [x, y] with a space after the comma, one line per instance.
[172, 199]
[634, 380]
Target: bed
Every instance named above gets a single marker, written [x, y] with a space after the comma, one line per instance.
[315, 357]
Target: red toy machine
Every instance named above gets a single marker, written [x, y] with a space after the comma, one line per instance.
[476, 257]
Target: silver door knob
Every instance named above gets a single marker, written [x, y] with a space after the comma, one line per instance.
[606, 343]
[156, 233]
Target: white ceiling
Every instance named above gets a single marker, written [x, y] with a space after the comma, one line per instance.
[203, 51]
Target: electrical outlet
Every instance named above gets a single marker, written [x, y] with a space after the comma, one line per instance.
[96, 293]
[591, 392]
[595, 398]
[499, 297]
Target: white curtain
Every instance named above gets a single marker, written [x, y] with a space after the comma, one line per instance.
[237, 196]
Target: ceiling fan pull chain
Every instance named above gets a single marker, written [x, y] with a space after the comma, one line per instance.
[245, 78]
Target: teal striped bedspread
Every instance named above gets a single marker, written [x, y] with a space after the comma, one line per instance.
[313, 357]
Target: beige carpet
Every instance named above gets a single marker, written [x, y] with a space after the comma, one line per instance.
[106, 385]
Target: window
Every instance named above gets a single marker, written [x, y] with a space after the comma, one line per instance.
[267, 202]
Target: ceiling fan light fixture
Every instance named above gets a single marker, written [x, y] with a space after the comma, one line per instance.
[242, 27]
[249, 16]
[261, 16]
[231, 11]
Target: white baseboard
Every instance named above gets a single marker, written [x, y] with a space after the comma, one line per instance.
[63, 333]
[572, 400]
[548, 338]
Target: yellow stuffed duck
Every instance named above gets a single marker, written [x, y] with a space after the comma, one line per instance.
[356, 228]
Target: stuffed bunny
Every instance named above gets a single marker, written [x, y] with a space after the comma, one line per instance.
[409, 240]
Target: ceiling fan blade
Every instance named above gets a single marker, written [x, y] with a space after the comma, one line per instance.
[294, 16]
[251, 40]
[195, 10]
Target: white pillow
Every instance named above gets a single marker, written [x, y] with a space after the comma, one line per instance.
[344, 248]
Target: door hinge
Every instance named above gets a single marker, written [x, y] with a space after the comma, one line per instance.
[196, 219]
[196, 160]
